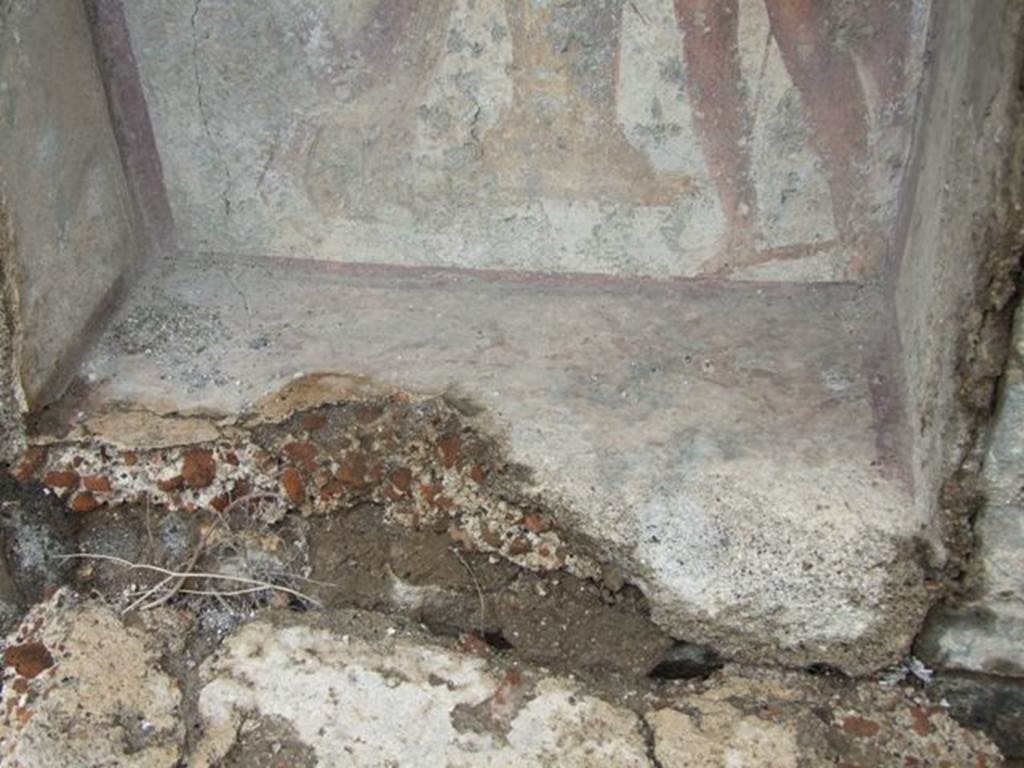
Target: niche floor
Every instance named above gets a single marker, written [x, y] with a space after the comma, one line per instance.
[732, 449]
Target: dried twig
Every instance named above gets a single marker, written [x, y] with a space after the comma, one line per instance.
[151, 546]
[218, 593]
[141, 601]
[223, 593]
[476, 583]
[190, 575]
[306, 579]
[181, 579]
[248, 498]
[146, 594]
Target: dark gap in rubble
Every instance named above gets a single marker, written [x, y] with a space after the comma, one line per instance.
[36, 530]
[990, 703]
[650, 742]
[497, 641]
[826, 670]
[687, 661]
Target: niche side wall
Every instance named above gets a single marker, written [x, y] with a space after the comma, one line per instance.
[955, 291]
[69, 239]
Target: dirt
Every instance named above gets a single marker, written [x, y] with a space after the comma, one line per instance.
[355, 559]
[390, 503]
[36, 531]
[269, 743]
[382, 502]
[554, 619]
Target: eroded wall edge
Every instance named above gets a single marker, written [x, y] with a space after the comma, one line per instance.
[955, 292]
[955, 287]
[74, 241]
[12, 428]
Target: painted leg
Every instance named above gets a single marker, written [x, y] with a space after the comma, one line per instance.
[709, 29]
[833, 101]
[885, 51]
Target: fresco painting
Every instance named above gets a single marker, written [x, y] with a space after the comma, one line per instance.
[743, 139]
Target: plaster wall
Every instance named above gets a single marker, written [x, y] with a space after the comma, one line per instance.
[68, 240]
[955, 289]
[747, 139]
[985, 633]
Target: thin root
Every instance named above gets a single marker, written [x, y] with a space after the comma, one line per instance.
[479, 589]
[182, 576]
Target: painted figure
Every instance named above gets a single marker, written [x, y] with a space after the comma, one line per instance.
[824, 72]
[560, 136]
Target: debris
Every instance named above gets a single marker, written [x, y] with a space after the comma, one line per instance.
[254, 585]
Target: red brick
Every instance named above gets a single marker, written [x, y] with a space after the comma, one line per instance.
[333, 489]
[29, 464]
[472, 643]
[301, 453]
[84, 502]
[28, 659]
[922, 720]
[536, 524]
[859, 726]
[96, 483]
[352, 471]
[175, 483]
[401, 479]
[199, 469]
[62, 479]
[291, 481]
[450, 450]
[311, 422]
[518, 546]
